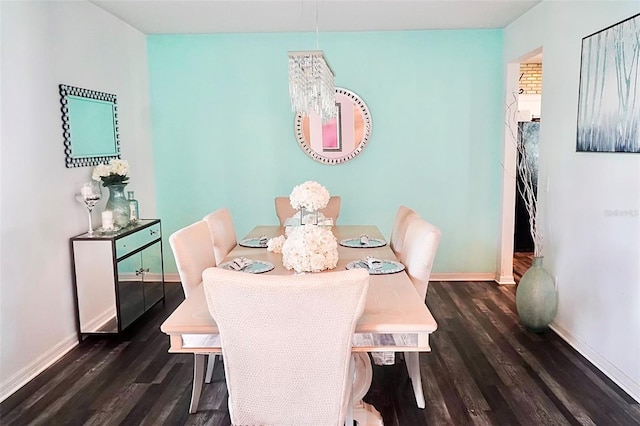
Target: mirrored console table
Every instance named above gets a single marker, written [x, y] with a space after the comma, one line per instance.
[117, 277]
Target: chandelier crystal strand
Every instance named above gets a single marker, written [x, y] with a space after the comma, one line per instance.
[311, 84]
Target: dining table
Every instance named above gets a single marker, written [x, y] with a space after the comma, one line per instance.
[395, 318]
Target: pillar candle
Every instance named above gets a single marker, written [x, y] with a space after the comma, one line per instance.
[107, 220]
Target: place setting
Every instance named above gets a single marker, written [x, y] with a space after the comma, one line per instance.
[376, 266]
[243, 264]
[256, 242]
[363, 241]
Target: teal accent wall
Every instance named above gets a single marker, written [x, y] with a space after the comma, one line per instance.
[223, 132]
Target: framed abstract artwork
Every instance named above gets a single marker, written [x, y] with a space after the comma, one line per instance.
[343, 137]
[609, 96]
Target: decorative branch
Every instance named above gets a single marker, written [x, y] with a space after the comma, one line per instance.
[526, 185]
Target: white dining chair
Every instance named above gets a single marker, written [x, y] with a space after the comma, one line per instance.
[193, 253]
[222, 232]
[286, 342]
[419, 250]
[284, 210]
[404, 215]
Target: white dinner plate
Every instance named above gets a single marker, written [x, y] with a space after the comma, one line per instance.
[256, 266]
[388, 267]
[253, 243]
[356, 243]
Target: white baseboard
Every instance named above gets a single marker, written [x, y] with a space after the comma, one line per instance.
[172, 277]
[148, 277]
[505, 279]
[11, 384]
[628, 384]
[101, 320]
[462, 276]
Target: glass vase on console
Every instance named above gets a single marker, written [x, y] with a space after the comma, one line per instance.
[134, 210]
[118, 204]
[308, 217]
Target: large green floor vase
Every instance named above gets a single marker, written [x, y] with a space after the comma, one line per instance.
[536, 298]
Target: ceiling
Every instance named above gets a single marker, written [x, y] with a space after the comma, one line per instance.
[230, 16]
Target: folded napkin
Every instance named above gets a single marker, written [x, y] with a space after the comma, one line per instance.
[372, 263]
[364, 239]
[240, 263]
[263, 240]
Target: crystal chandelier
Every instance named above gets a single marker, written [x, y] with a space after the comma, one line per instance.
[311, 84]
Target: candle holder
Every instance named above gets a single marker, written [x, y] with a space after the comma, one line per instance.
[89, 193]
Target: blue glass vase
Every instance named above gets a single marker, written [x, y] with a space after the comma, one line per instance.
[118, 204]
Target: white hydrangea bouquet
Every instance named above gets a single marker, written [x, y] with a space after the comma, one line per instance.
[112, 173]
[309, 195]
[309, 248]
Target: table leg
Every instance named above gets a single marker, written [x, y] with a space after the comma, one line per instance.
[198, 378]
[365, 414]
[412, 360]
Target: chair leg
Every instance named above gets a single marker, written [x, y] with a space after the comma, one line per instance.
[352, 374]
[412, 361]
[198, 377]
[211, 363]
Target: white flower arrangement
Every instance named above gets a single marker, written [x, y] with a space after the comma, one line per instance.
[309, 195]
[275, 244]
[310, 248]
[114, 172]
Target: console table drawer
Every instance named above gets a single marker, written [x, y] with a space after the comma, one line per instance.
[136, 240]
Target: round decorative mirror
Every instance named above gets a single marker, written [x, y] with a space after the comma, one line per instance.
[340, 139]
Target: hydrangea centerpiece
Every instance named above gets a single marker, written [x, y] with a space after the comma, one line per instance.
[309, 195]
[113, 173]
[309, 248]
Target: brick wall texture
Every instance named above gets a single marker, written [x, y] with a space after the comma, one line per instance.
[531, 78]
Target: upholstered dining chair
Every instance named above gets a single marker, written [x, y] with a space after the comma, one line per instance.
[193, 253]
[399, 230]
[222, 232]
[285, 211]
[419, 250]
[286, 342]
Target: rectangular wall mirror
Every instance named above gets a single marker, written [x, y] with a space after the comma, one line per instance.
[89, 126]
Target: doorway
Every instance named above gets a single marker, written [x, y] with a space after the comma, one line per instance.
[529, 107]
[522, 120]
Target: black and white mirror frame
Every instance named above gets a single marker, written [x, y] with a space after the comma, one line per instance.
[79, 144]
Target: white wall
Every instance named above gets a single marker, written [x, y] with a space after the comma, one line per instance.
[45, 44]
[594, 253]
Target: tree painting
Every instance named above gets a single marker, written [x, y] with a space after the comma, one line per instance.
[609, 101]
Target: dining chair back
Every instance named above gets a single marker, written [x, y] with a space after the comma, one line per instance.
[284, 210]
[193, 252]
[222, 232]
[419, 251]
[286, 343]
[404, 216]
[332, 210]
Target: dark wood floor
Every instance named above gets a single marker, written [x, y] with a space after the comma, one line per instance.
[521, 262]
[484, 368]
